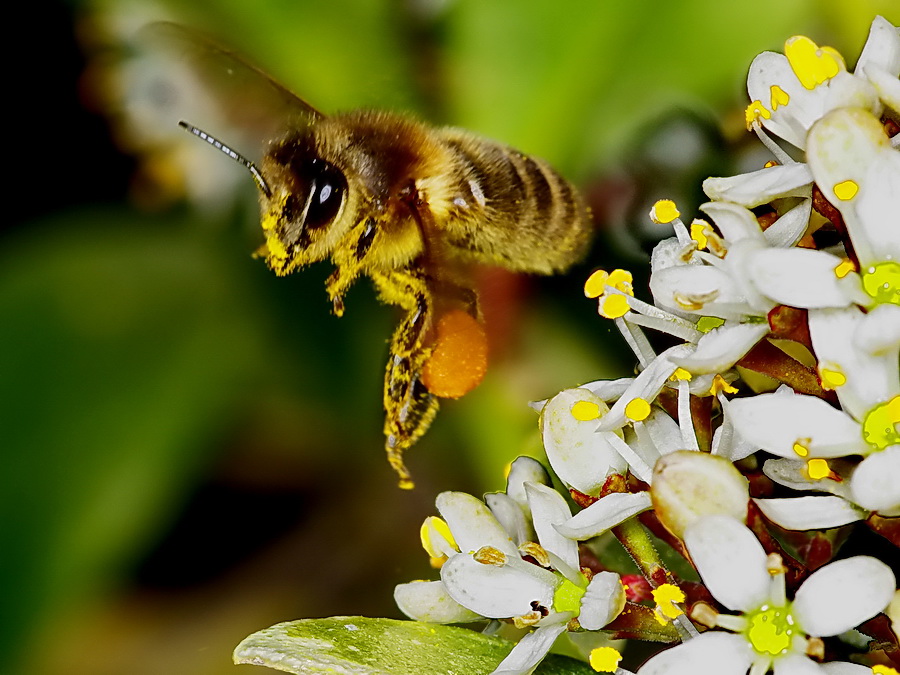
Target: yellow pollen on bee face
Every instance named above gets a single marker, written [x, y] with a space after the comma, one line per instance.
[596, 284]
[585, 411]
[637, 410]
[605, 659]
[779, 97]
[846, 190]
[664, 211]
[818, 469]
[813, 65]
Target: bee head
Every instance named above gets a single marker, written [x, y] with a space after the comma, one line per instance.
[306, 201]
[301, 195]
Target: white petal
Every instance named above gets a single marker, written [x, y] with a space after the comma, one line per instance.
[842, 595]
[511, 516]
[886, 85]
[713, 653]
[734, 221]
[429, 601]
[799, 277]
[876, 481]
[850, 144]
[524, 470]
[605, 513]
[581, 457]
[718, 350]
[792, 121]
[602, 602]
[790, 227]
[472, 523]
[530, 650]
[762, 186]
[810, 513]
[793, 473]
[775, 422]
[710, 288]
[548, 509]
[497, 592]
[796, 664]
[730, 560]
[882, 47]
[879, 332]
[608, 390]
[870, 378]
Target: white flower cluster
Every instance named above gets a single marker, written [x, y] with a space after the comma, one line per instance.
[786, 312]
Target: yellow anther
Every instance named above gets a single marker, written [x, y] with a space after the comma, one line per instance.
[681, 374]
[754, 112]
[719, 383]
[832, 379]
[880, 426]
[812, 64]
[699, 228]
[622, 280]
[613, 306]
[665, 596]
[432, 529]
[527, 620]
[779, 97]
[707, 323]
[881, 282]
[536, 551]
[637, 410]
[488, 555]
[605, 659]
[664, 211]
[801, 446]
[770, 164]
[596, 284]
[884, 670]
[585, 411]
[846, 190]
[844, 268]
[818, 469]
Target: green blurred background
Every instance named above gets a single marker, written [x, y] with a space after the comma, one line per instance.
[190, 448]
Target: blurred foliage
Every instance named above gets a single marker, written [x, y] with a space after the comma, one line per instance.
[147, 357]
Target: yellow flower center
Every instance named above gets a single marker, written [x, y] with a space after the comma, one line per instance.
[707, 323]
[879, 427]
[567, 597]
[882, 282]
[770, 630]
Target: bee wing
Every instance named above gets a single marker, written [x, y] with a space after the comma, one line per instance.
[246, 97]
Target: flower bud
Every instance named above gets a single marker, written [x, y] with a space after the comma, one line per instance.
[689, 484]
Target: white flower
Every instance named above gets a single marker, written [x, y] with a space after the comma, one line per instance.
[486, 575]
[770, 629]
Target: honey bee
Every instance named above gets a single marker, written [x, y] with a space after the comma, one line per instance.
[412, 207]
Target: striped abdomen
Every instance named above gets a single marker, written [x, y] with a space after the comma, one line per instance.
[512, 209]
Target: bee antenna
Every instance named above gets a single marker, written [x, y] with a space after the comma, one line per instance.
[240, 159]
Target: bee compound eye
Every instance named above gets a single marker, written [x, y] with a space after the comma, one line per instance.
[328, 188]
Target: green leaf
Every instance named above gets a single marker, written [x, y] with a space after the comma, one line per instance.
[356, 644]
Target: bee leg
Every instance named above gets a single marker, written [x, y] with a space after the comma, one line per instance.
[409, 406]
[349, 259]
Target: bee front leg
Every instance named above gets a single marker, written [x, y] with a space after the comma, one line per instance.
[349, 261]
[409, 406]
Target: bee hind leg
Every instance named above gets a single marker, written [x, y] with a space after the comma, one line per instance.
[409, 406]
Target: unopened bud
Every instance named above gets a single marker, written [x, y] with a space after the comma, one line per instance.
[688, 485]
